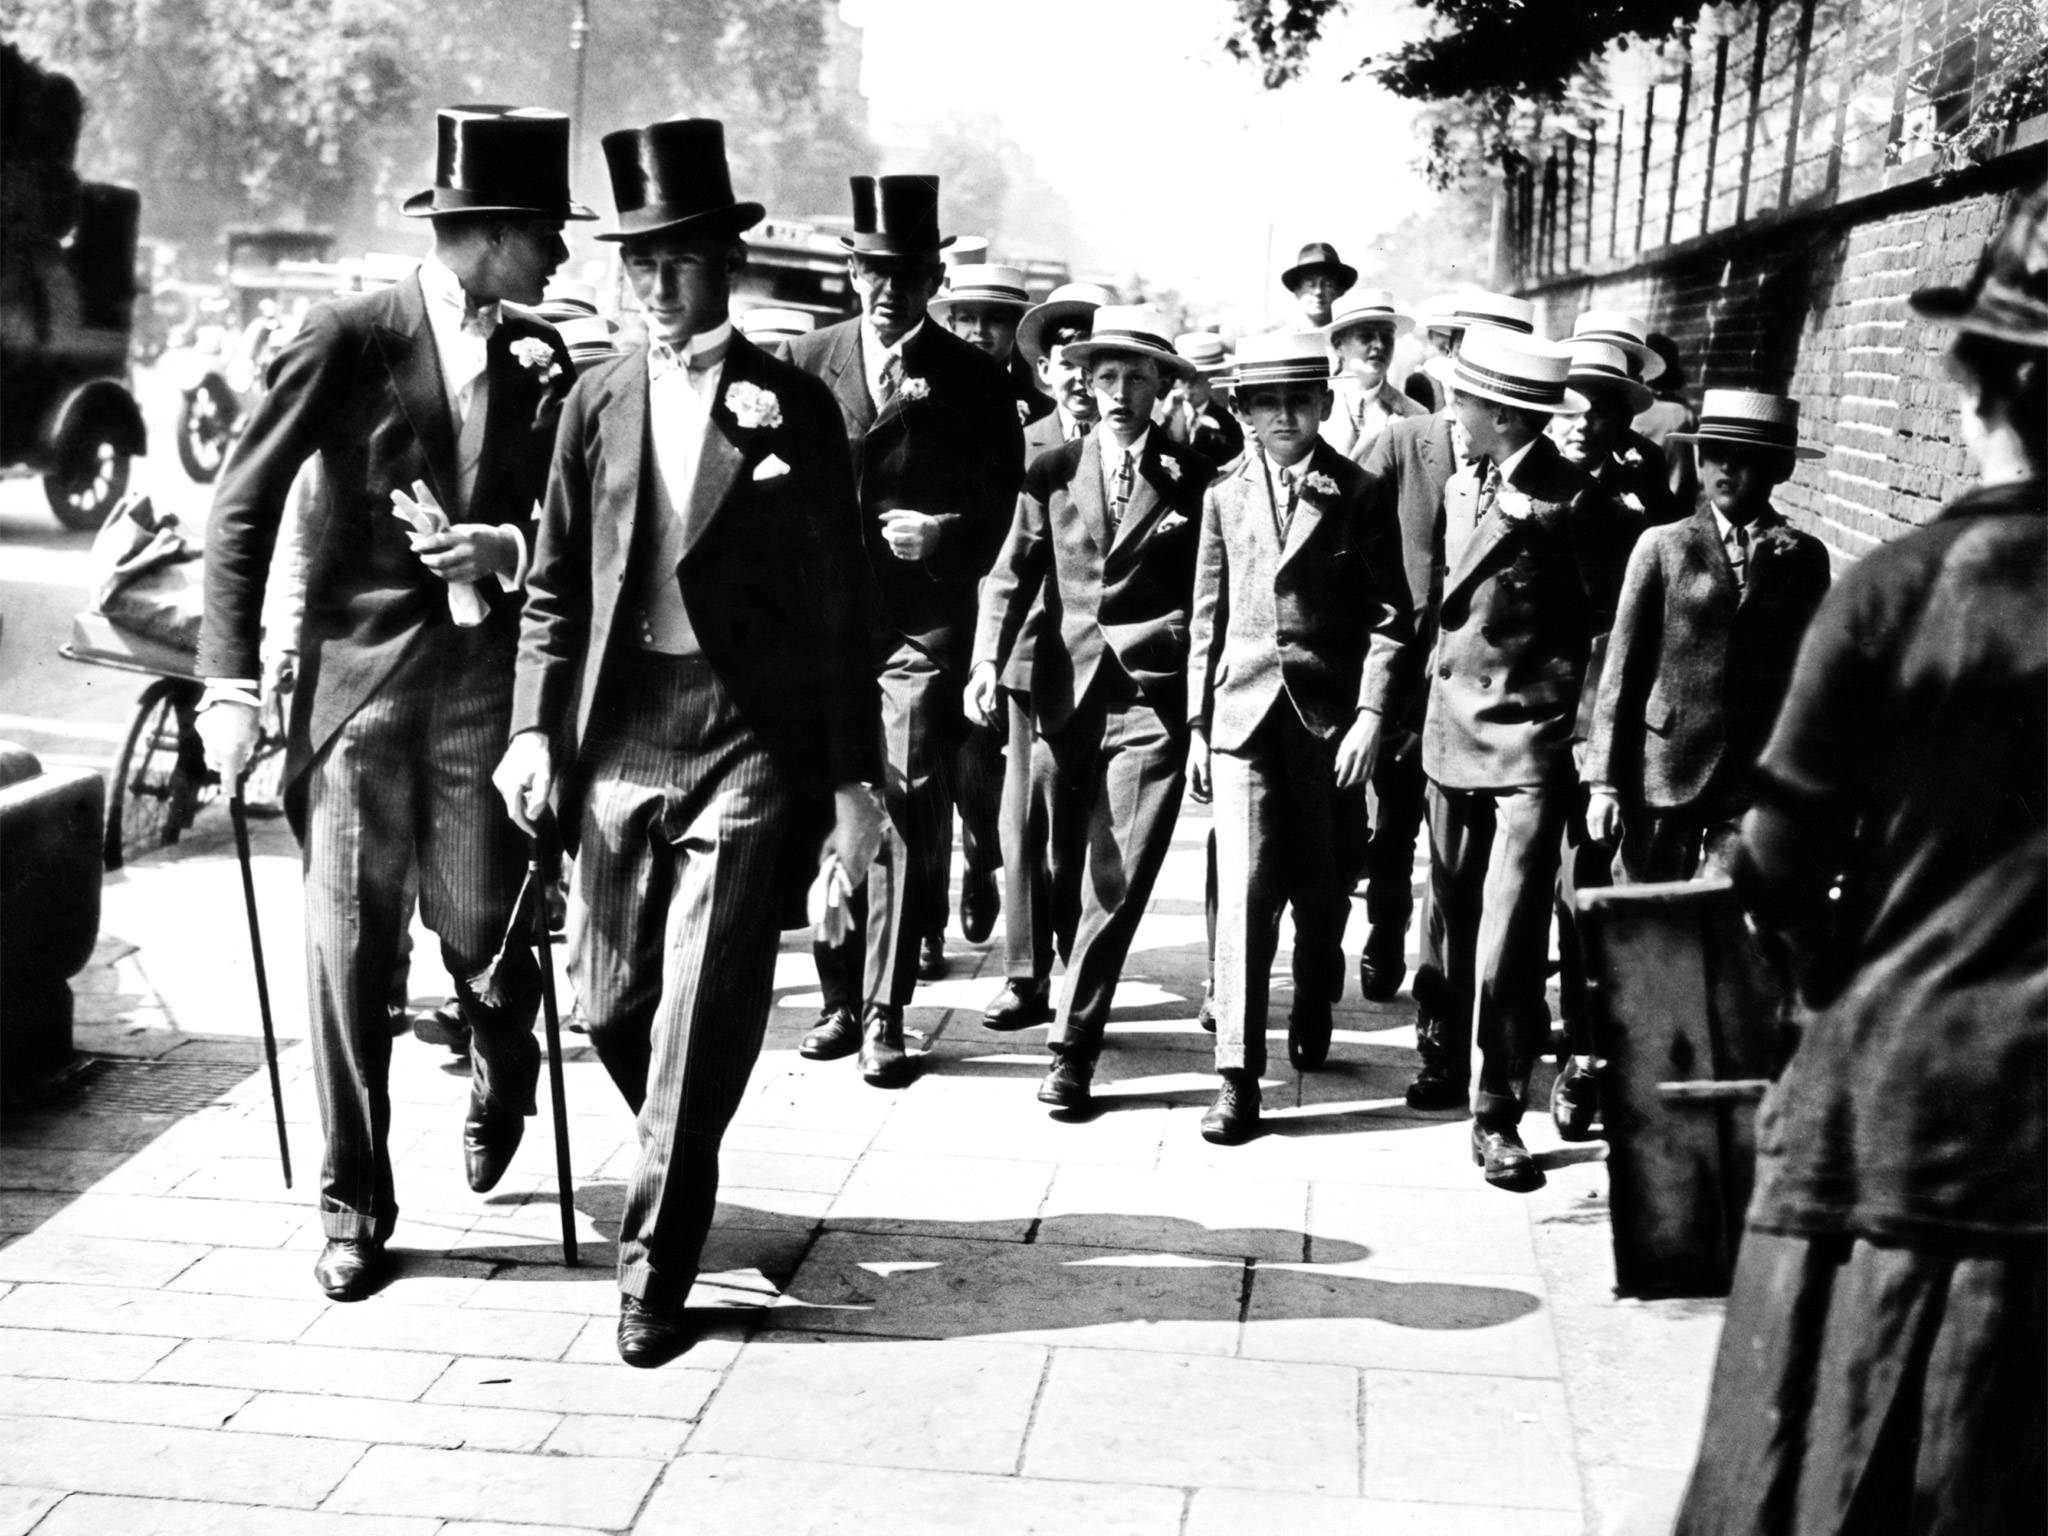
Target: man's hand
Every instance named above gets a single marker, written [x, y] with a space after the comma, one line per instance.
[228, 730]
[525, 775]
[1198, 766]
[1603, 816]
[911, 535]
[983, 695]
[467, 551]
[1359, 752]
[857, 829]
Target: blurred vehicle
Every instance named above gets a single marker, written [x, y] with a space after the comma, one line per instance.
[67, 303]
[796, 264]
[272, 276]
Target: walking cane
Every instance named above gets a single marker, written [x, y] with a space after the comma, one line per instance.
[238, 813]
[543, 863]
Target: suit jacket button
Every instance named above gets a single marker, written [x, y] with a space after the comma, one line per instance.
[1486, 682]
[1444, 672]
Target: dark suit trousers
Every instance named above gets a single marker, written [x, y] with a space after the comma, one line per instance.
[673, 942]
[1284, 833]
[1492, 871]
[920, 732]
[1679, 842]
[402, 791]
[1583, 865]
[1117, 770]
[1398, 795]
[1032, 922]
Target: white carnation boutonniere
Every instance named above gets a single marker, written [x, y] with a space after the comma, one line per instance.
[1515, 506]
[536, 356]
[1171, 467]
[913, 389]
[1631, 502]
[1320, 484]
[752, 406]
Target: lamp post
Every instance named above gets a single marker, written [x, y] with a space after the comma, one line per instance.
[579, 48]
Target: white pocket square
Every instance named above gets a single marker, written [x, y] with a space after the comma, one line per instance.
[769, 468]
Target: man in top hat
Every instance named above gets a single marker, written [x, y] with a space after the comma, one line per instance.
[937, 457]
[1039, 908]
[433, 393]
[691, 676]
[1527, 589]
[1194, 416]
[1362, 334]
[1299, 620]
[1318, 279]
[1104, 535]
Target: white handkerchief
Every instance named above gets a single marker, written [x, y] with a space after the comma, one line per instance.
[769, 468]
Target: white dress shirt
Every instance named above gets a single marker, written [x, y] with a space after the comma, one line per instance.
[874, 357]
[461, 351]
[679, 400]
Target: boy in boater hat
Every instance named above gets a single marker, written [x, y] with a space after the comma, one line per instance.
[701, 500]
[1318, 279]
[1300, 616]
[1363, 335]
[1039, 909]
[983, 305]
[1106, 530]
[1195, 416]
[931, 423]
[1530, 571]
[435, 399]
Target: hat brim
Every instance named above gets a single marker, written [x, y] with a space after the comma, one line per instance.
[736, 219]
[1640, 395]
[1708, 435]
[1571, 404]
[1648, 360]
[1402, 324]
[1346, 274]
[1031, 329]
[1965, 311]
[1169, 361]
[882, 248]
[440, 202]
[944, 301]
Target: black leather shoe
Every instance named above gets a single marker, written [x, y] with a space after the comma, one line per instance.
[1308, 1034]
[442, 1026]
[1066, 1085]
[1207, 1017]
[490, 1135]
[1019, 1005]
[1234, 1117]
[1575, 1099]
[883, 1061]
[1381, 968]
[932, 964]
[980, 900]
[349, 1268]
[651, 1336]
[1503, 1159]
[1437, 1087]
[836, 1034]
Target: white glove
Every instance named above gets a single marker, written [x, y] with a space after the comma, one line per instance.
[228, 730]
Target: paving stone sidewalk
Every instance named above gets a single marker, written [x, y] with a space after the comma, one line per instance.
[946, 1312]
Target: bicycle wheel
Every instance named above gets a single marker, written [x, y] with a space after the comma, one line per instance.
[159, 775]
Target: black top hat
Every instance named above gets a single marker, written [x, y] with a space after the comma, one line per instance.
[491, 159]
[908, 222]
[1319, 256]
[672, 176]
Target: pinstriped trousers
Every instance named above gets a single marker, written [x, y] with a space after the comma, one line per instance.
[404, 785]
[672, 942]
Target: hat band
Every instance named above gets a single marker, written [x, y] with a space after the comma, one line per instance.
[470, 176]
[979, 295]
[887, 243]
[1599, 373]
[1101, 338]
[1473, 317]
[1768, 433]
[1293, 371]
[1620, 339]
[1538, 392]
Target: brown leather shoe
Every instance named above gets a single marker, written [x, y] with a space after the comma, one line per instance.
[1019, 1005]
[883, 1061]
[1506, 1163]
[836, 1034]
[349, 1268]
[1308, 1034]
[650, 1336]
[1234, 1117]
[491, 1133]
[1066, 1085]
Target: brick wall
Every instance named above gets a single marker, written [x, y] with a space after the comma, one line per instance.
[1816, 306]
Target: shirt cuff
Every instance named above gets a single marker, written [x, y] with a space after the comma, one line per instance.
[517, 580]
[230, 690]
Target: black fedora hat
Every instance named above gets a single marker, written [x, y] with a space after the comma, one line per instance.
[1319, 256]
[493, 159]
[672, 175]
[895, 216]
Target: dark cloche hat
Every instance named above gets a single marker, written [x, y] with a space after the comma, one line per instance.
[895, 216]
[1320, 256]
[672, 176]
[493, 159]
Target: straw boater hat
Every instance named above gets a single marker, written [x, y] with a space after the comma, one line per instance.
[768, 324]
[895, 216]
[1065, 305]
[671, 178]
[1319, 256]
[1280, 357]
[1131, 330]
[967, 251]
[491, 159]
[1512, 369]
[1601, 365]
[588, 339]
[1751, 418]
[2007, 296]
[565, 299]
[998, 287]
[1205, 350]
[1367, 306]
[1465, 312]
[1625, 332]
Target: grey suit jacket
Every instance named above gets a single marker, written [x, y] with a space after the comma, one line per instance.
[1040, 436]
[1407, 468]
